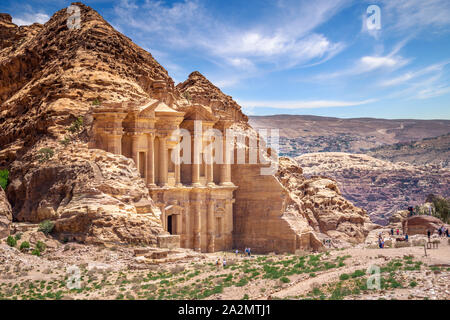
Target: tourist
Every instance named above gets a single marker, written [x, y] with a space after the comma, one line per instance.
[392, 231]
[406, 237]
[429, 235]
[237, 252]
[440, 232]
[224, 262]
[446, 232]
[249, 252]
[218, 263]
[398, 231]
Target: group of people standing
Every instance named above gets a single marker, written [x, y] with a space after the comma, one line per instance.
[247, 252]
[442, 232]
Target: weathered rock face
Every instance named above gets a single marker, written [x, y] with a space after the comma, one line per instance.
[322, 204]
[380, 187]
[93, 196]
[5, 215]
[49, 76]
[421, 224]
[198, 89]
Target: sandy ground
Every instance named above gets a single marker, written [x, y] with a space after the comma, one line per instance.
[115, 272]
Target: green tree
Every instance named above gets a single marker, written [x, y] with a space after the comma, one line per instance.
[4, 174]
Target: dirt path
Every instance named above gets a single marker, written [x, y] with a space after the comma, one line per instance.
[302, 287]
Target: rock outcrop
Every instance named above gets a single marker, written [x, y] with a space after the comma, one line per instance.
[380, 187]
[49, 77]
[420, 224]
[322, 204]
[199, 90]
[5, 215]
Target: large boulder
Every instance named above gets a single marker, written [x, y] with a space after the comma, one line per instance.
[421, 224]
[5, 215]
[92, 196]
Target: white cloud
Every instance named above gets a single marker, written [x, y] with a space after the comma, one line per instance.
[284, 39]
[301, 104]
[412, 15]
[366, 64]
[435, 68]
[30, 18]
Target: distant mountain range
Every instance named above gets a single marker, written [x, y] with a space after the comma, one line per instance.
[310, 134]
[381, 165]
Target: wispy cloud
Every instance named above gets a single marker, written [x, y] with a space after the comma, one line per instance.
[405, 77]
[301, 104]
[283, 40]
[370, 63]
[413, 15]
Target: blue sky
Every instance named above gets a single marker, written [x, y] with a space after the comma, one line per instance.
[293, 57]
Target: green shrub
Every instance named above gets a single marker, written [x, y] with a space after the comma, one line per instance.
[77, 125]
[41, 246]
[45, 154]
[24, 245]
[96, 102]
[4, 174]
[46, 226]
[358, 273]
[65, 142]
[18, 236]
[285, 280]
[36, 252]
[344, 276]
[11, 241]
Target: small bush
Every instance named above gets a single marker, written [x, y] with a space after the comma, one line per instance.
[46, 226]
[344, 276]
[18, 236]
[285, 280]
[36, 252]
[77, 125]
[24, 245]
[11, 241]
[96, 102]
[41, 246]
[45, 154]
[4, 174]
[65, 142]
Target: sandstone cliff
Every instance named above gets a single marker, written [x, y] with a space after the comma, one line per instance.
[198, 89]
[52, 79]
[49, 77]
[5, 215]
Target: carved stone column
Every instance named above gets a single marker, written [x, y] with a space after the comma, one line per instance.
[114, 143]
[196, 159]
[151, 160]
[197, 225]
[134, 149]
[225, 168]
[210, 168]
[177, 167]
[163, 161]
[211, 229]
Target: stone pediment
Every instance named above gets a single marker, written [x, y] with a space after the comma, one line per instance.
[200, 112]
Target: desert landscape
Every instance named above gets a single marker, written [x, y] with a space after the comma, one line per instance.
[111, 187]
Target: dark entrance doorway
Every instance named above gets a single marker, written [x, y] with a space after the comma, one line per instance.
[169, 224]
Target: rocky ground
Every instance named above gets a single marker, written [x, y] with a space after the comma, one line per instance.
[123, 272]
